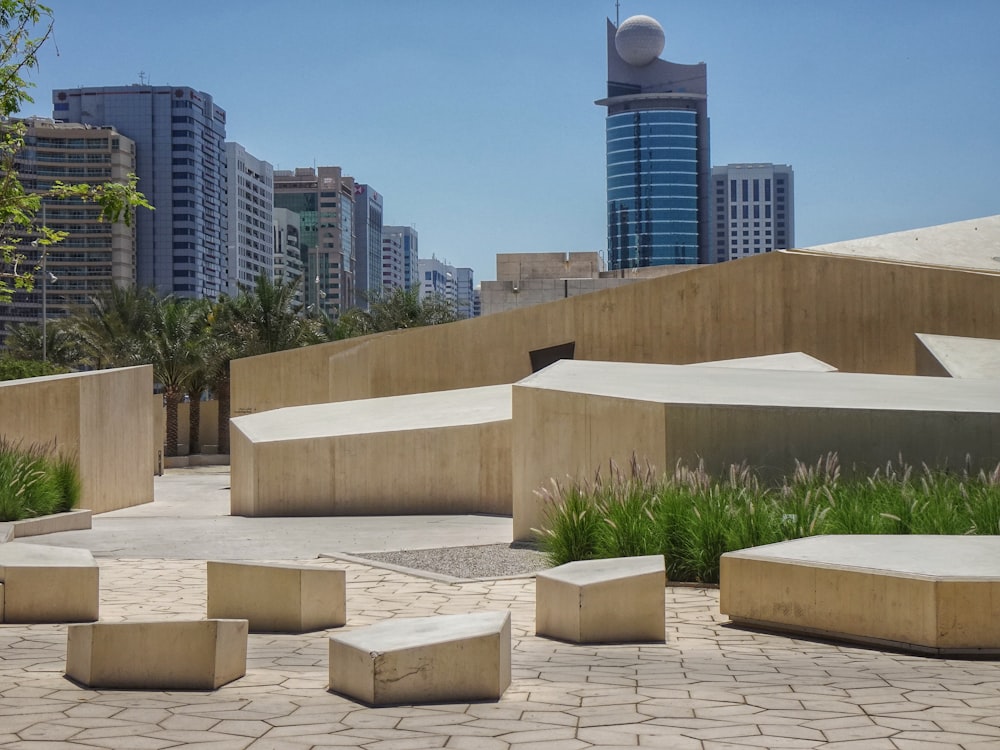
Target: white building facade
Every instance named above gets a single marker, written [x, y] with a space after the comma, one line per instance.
[288, 265]
[250, 201]
[753, 210]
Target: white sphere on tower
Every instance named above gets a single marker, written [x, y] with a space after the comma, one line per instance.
[639, 40]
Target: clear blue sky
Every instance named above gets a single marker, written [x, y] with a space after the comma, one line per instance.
[477, 123]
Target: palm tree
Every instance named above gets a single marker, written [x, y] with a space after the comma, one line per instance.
[61, 345]
[112, 332]
[259, 320]
[198, 377]
[392, 309]
[173, 348]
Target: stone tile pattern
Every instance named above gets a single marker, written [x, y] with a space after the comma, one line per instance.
[710, 686]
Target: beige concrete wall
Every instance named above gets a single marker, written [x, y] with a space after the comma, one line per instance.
[857, 315]
[446, 470]
[105, 418]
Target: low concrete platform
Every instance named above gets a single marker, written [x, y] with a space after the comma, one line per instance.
[347, 458]
[926, 594]
[157, 655]
[277, 598]
[453, 658]
[41, 583]
[619, 600]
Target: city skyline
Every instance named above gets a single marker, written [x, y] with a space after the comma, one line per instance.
[483, 125]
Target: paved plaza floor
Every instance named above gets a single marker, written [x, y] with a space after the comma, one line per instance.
[710, 686]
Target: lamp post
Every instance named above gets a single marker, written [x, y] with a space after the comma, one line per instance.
[46, 278]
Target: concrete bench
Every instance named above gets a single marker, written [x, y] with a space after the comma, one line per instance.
[157, 655]
[618, 600]
[39, 583]
[277, 598]
[424, 659]
[926, 594]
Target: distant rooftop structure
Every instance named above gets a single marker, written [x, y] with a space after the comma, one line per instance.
[525, 279]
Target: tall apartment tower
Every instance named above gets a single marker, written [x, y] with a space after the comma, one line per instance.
[180, 137]
[754, 209]
[392, 261]
[407, 237]
[250, 204]
[465, 288]
[367, 242]
[438, 278]
[95, 254]
[287, 257]
[657, 152]
[324, 200]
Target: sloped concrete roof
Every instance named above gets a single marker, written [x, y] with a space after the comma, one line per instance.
[686, 384]
[964, 357]
[972, 245]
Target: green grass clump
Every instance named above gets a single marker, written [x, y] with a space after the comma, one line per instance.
[35, 481]
[693, 518]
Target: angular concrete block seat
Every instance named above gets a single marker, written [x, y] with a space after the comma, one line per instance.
[277, 598]
[157, 655]
[617, 600]
[424, 659]
[927, 594]
[39, 583]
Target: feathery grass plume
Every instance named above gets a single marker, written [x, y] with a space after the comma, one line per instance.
[571, 525]
[982, 502]
[66, 473]
[27, 487]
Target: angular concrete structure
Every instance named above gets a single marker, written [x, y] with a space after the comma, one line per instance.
[927, 594]
[445, 452]
[958, 356]
[157, 655]
[453, 658]
[277, 598]
[619, 600]
[103, 418]
[572, 417]
[855, 305]
[41, 583]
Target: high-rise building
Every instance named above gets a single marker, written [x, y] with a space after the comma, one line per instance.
[754, 209]
[465, 305]
[287, 258]
[367, 242]
[657, 152]
[437, 278]
[392, 261]
[95, 253]
[324, 200]
[408, 241]
[179, 136]
[250, 203]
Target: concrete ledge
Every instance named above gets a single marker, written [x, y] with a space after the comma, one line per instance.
[925, 594]
[6, 531]
[72, 520]
[456, 658]
[277, 598]
[157, 655]
[48, 584]
[620, 600]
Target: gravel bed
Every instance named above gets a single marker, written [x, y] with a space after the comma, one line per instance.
[483, 561]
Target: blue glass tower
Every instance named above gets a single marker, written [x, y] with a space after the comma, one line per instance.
[658, 159]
